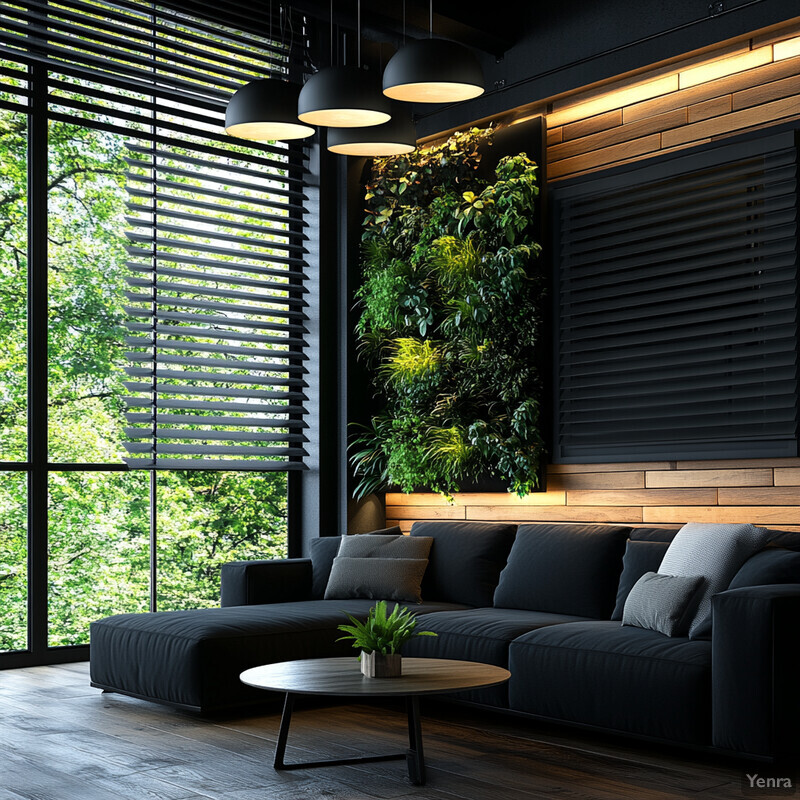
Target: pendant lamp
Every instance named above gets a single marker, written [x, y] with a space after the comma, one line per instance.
[346, 97]
[266, 110]
[393, 138]
[343, 97]
[433, 71]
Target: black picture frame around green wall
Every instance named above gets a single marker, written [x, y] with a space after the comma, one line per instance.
[527, 137]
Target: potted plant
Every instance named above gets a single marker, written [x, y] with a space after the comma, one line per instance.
[380, 638]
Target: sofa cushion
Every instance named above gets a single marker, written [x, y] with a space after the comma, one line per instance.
[662, 603]
[478, 634]
[716, 552]
[627, 679]
[465, 560]
[376, 578]
[640, 557]
[370, 545]
[563, 569]
[771, 565]
[193, 658]
[323, 550]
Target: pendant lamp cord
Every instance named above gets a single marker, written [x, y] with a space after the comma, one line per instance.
[359, 33]
[331, 32]
[430, 21]
[404, 23]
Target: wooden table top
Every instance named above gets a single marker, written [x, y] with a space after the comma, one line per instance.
[342, 676]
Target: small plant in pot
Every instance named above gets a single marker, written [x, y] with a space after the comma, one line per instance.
[380, 638]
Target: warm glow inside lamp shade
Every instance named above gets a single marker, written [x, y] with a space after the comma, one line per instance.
[269, 131]
[377, 149]
[441, 92]
[344, 117]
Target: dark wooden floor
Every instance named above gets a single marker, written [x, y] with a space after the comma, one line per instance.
[62, 740]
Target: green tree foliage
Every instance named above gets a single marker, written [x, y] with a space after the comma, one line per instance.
[98, 521]
[451, 320]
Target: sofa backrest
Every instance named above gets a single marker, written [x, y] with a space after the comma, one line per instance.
[564, 569]
[465, 561]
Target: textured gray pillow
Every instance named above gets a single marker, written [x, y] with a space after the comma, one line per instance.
[662, 603]
[368, 545]
[716, 552]
[376, 578]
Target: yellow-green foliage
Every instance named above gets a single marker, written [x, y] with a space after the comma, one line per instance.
[411, 360]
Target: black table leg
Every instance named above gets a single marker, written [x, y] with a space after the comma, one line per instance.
[283, 736]
[416, 756]
[283, 733]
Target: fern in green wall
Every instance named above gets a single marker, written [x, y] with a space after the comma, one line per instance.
[451, 321]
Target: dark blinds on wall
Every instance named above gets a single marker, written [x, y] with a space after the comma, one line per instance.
[677, 307]
[215, 239]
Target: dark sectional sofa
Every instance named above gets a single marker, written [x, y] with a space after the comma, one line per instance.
[548, 609]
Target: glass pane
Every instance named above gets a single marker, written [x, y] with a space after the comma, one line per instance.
[99, 533]
[13, 561]
[86, 227]
[13, 283]
[208, 518]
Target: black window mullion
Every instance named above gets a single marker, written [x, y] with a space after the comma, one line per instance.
[37, 364]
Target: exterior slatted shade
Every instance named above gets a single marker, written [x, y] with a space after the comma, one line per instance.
[216, 240]
[677, 308]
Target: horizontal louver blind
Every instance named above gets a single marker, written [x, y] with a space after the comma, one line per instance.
[677, 295]
[216, 240]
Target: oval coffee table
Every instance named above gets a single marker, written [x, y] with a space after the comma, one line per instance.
[342, 677]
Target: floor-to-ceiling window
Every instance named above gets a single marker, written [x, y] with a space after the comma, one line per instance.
[82, 535]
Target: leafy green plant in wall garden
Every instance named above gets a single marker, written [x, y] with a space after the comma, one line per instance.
[451, 321]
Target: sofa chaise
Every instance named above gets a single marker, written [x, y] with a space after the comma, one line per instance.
[543, 600]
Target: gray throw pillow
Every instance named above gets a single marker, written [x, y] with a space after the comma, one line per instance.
[376, 579]
[716, 552]
[663, 603]
[369, 545]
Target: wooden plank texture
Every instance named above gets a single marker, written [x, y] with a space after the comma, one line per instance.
[736, 120]
[708, 108]
[705, 91]
[766, 496]
[554, 136]
[787, 476]
[644, 497]
[586, 127]
[425, 512]
[112, 748]
[765, 92]
[608, 155]
[708, 477]
[555, 514]
[599, 480]
[623, 133]
[738, 463]
[758, 515]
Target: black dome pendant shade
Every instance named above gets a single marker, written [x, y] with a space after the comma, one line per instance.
[433, 71]
[265, 110]
[393, 138]
[342, 97]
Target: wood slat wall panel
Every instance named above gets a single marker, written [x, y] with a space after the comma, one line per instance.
[754, 490]
[644, 497]
[709, 477]
[617, 123]
[602, 480]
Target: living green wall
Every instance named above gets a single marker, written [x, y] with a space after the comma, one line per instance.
[451, 320]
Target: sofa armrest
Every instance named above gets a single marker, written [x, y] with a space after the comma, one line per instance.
[249, 583]
[754, 660]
